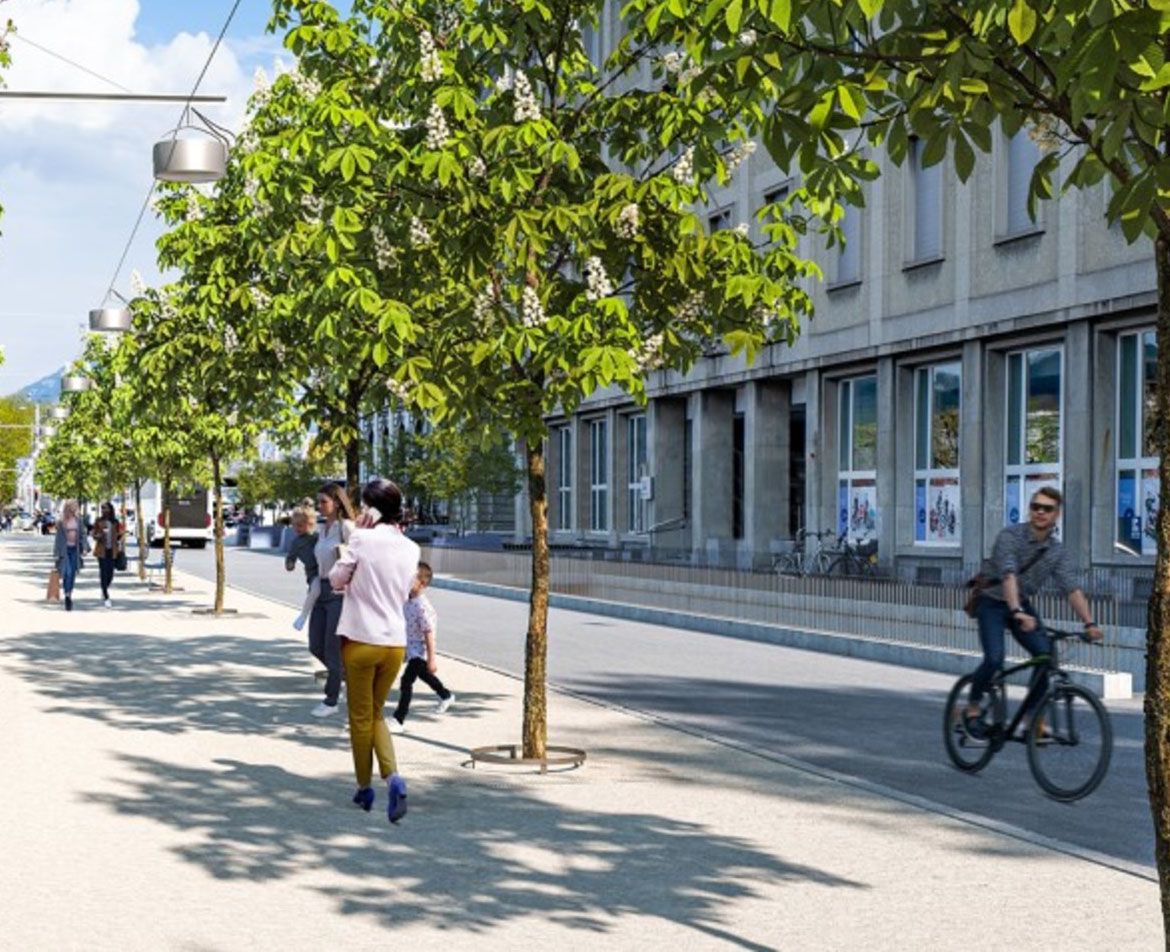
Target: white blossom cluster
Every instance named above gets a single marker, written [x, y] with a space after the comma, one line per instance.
[628, 222]
[385, 254]
[251, 188]
[1045, 132]
[314, 207]
[673, 61]
[137, 285]
[597, 283]
[399, 389]
[420, 235]
[307, 86]
[525, 108]
[485, 301]
[447, 19]
[531, 310]
[736, 157]
[261, 91]
[743, 229]
[260, 298]
[431, 64]
[748, 38]
[477, 169]
[248, 141]
[684, 168]
[231, 340]
[688, 75]
[649, 356]
[437, 133]
[194, 208]
[692, 308]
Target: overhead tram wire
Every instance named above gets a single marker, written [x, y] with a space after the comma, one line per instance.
[174, 136]
[73, 63]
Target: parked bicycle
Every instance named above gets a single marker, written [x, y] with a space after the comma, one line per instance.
[1069, 736]
[806, 557]
[847, 557]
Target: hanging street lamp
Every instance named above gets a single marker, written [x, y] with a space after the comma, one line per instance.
[116, 318]
[199, 158]
[59, 412]
[75, 383]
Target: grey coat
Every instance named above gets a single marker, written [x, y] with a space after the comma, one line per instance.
[59, 544]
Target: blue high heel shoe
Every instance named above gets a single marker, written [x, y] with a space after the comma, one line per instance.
[364, 798]
[396, 789]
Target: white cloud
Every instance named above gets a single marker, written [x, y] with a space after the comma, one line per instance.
[73, 175]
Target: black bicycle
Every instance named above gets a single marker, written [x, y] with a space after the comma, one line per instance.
[1069, 737]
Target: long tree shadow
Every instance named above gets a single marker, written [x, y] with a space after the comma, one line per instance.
[470, 856]
[894, 738]
[216, 682]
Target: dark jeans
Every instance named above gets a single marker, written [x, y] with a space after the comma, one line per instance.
[106, 573]
[69, 567]
[416, 669]
[994, 618]
[324, 645]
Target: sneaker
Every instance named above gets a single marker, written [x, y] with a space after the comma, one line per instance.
[444, 704]
[324, 710]
[68, 603]
[974, 727]
[299, 622]
[396, 790]
[364, 798]
[109, 603]
[396, 726]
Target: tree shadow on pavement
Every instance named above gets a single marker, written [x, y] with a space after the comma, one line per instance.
[469, 856]
[894, 738]
[205, 683]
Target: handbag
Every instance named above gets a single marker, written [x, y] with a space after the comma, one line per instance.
[120, 560]
[981, 581]
[53, 593]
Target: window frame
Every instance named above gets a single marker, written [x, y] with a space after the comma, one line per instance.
[599, 475]
[928, 476]
[1014, 222]
[1144, 469]
[1029, 476]
[637, 458]
[564, 436]
[919, 176]
[849, 479]
[849, 250]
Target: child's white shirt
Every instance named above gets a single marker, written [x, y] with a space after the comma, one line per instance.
[421, 618]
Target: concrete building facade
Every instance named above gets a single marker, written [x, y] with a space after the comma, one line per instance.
[961, 355]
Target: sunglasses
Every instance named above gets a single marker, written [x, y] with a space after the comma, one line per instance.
[1042, 507]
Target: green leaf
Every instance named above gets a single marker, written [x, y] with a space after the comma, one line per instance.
[1022, 22]
[870, 7]
[733, 14]
[778, 12]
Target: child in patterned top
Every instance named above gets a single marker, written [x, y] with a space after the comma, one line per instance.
[421, 625]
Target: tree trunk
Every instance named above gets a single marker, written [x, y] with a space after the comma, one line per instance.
[168, 585]
[220, 571]
[353, 463]
[536, 648]
[140, 528]
[1157, 706]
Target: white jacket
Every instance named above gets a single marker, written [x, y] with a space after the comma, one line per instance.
[376, 570]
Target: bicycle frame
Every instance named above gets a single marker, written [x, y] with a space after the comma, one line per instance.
[1049, 661]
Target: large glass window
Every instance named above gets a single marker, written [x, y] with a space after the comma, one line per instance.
[564, 442]
[937, 398]
[1022, 156]
[637, 468]
[848, 263]
[1137, 452]
[857, 455]
[599, 476]
[926, 206]
[1034, 427]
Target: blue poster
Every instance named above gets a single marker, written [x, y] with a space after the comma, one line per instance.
[920, 511]
[1129, 520]
[1012, 507]
[842, 507]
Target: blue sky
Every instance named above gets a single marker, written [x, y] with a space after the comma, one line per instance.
[72, 177]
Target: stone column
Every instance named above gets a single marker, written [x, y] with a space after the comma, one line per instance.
[993, 407]
[888, 485]
[583, 456]
[973, 482]
[666, 424]
[1078, 449]
[711, 462]
[767, 406]
[1102, 491]
[814, 452]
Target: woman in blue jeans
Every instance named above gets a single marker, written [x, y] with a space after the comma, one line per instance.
[68, 548]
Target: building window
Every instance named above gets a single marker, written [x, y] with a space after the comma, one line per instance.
[937, 396]
[564, 440]
[926, 207]
[737, 476]
[599, 476]
[857, 458]
[720, 220]
[848, 254]
[1022, 156]
[1138, 495]
[636, 470]
[1034, 427]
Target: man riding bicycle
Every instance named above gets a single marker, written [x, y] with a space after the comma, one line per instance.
[1024, 557]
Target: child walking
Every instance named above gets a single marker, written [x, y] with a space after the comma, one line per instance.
[304, 520]
[421, 625]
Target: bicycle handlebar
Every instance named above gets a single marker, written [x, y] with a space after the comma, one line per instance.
[1060, 634]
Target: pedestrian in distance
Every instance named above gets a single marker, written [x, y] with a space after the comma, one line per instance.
[108, 537]
[1023, 558]
[334, 505]
[68, 548]
[377, 570]
[304, 524]
[422, 622]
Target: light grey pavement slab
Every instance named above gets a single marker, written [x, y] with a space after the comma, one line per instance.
[164, 788]
[878, 722]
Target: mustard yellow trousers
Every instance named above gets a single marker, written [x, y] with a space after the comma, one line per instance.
[370, 671]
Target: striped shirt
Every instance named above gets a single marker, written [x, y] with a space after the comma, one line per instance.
[1016, 547]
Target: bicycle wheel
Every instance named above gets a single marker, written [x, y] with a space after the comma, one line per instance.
[1070, 742]
[788, 564]
[967, 752]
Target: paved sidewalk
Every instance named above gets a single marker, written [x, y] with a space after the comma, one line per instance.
[164, 788]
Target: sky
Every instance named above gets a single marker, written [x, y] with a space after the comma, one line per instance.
[73, 176]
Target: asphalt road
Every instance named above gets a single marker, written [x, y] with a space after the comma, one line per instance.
[878, 722]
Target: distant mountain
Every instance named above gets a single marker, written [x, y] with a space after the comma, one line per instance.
[45, 390]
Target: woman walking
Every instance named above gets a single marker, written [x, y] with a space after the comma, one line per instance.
[334, 505]
[377, 570]
[68, 548]
[108, 535]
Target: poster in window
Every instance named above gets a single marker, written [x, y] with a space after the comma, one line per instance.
[1129, 519]
[920, 511]
[943, 519]
[1012, 502]
[1149, 510]
[863, 510]
[842, 507]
